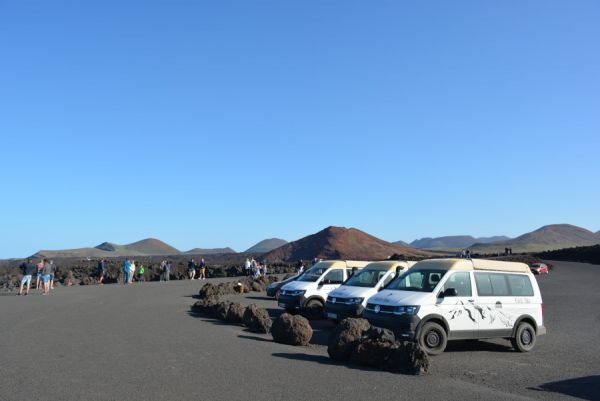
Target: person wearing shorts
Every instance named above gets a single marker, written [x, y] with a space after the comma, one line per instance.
[46, 272]
[28, 269]
[38, 274]
[202, 270]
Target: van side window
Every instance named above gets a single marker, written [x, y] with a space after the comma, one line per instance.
[492, 284]
[461, 282]
[335, 276]
[389, 278]
[520, 286]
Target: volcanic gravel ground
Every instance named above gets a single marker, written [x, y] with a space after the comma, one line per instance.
[140, 342]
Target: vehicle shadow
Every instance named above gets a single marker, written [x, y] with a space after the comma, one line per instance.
[259, 298]
[323, 360]
[586, 387]
[476, 346]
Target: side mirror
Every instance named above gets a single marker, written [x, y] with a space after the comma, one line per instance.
[449, 292]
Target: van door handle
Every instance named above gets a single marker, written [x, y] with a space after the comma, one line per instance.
[471, 300]
[498, 304]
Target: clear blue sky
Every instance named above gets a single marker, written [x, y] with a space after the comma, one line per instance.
[220, 123]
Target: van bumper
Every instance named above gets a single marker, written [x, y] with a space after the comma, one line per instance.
[342, 311]
[289, 302]
[403, 326]
[541, 330]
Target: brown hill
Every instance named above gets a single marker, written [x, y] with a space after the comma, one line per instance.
[266, 245]
[340, 243]
[210, 251]
[146, 247]
[551, 237]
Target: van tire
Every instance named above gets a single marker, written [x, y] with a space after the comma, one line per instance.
[313, 309]
[433, 338]
[524, 339]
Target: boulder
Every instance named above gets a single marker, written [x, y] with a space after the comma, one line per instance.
[291, 329]
[206, 306]
[409, 358]
[345, 337]
[257, 319]
[235, 313]
[221, 309]
[208, 290]
[374, 348]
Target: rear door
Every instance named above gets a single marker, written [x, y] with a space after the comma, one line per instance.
[459, 310]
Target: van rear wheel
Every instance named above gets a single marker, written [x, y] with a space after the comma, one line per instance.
[524, 339]
[313, 309]
[433, 338]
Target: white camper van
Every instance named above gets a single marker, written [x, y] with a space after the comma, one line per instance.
[454, 299]
[308, 293]
[350, 299]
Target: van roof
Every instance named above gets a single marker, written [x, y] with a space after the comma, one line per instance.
[473, 264]
[388, 265]
[344, 263]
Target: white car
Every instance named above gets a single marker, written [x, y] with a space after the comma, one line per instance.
[307, 294]
[457, 299]
[350, 299]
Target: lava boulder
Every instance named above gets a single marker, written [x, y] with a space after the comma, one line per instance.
[291, 329]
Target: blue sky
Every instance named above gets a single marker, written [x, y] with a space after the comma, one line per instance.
[220, 123]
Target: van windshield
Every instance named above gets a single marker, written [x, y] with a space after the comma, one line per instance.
[417, 280]
[313, 273]
[366, 278]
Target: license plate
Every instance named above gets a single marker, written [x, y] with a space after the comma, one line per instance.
[281, 305]
[332, 315]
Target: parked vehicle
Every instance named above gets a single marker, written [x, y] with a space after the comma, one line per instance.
[307, 294]
[457, 299]
[539, 268]
[350, 299]
[274, 288]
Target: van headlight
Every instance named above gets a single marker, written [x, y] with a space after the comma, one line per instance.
[354, 301]
[406, 310]
[293, 293]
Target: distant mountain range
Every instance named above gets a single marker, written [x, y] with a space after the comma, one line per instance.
[454, 242]
[210, 251]
[351, 243]
[340, 243]
[266, 245]
[551, 237]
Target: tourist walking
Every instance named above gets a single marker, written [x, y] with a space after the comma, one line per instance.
[101, 267]
[202, 269]
[46, 271]
[192, 269]
[28, 269]
[126, 271]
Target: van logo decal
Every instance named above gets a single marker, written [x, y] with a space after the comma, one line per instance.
[377, 308]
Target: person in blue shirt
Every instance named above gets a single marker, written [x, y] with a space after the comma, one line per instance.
[126, 271]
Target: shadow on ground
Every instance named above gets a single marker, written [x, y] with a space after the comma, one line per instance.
[586, 388]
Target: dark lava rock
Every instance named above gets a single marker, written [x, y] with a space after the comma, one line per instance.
[257, 319]
[221, 309]
[206, 306]
[345, 336]
[208, 290]
[235, 313]
[409, 358]
[291, 329]
[374, 348]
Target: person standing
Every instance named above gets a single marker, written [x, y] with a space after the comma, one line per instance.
[126, 270]
[101, 267]
[38, 274]
[131, 271]
[163, 270]
[46, 271]
[28, 269]
[300, 267]
[247, 266]
[168, 270]
[202, 269]
[140, 274]
[52, 274]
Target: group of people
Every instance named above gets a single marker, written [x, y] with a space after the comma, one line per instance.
[254, 268]
[131, 271]
[196, 270]
[44, 276]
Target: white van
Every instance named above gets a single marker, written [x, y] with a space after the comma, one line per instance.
[350, 299]
[308, 293]
[454, 299]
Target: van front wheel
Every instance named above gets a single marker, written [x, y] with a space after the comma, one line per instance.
[433, 338]
[524, 339]
[313, 309]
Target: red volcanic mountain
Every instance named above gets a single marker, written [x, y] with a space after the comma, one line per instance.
[341, 243]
